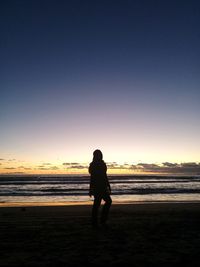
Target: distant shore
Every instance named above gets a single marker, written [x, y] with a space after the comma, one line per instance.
[145, 234]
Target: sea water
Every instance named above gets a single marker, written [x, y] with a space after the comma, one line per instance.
[68, 188]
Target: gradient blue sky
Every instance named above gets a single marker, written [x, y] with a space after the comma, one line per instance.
[122, 76]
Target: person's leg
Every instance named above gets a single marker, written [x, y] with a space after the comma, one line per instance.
[95, 209]
[108, 201]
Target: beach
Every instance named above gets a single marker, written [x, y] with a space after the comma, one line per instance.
[145, 234]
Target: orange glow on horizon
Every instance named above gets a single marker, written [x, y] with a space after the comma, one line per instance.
[14, 167]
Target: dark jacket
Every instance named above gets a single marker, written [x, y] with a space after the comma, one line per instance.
[98, 178]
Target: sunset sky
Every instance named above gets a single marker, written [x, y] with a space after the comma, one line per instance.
[120, 76]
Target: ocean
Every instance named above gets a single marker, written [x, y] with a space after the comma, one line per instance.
[72, 189]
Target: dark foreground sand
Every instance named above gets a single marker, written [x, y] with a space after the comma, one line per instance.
[139, 235]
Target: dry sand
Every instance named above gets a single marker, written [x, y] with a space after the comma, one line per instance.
[165, 234]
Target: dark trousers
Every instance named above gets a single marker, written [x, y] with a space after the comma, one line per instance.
[105, 210]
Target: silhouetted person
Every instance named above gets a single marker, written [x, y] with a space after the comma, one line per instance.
[99, 188]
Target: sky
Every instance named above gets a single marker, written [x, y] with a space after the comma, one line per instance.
[120, 76]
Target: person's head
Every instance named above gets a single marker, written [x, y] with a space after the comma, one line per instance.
[97, 155]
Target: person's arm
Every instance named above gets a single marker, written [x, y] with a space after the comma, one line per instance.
[107, 181]
[108, 184]
[91, 189]
[91, 182]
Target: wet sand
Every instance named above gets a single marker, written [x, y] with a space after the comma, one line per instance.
[154, 234]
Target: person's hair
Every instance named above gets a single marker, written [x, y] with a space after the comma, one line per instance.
[97, 155]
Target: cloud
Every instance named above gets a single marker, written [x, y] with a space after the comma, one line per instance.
[43, 168]
[2, 159]
[174, 168]
[190, 165]
[148, 166]
[116, 166]
[46, 164]
[186, 167]
[12, 173]
[164, 168]
[53, 168]
[169, 164]
[133, 167]
[144, 167]
[10, 168]
[70, 163]
[112, 165]
[75, 165]
[25, 168]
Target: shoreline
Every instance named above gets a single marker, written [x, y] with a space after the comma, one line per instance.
[90, 203]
